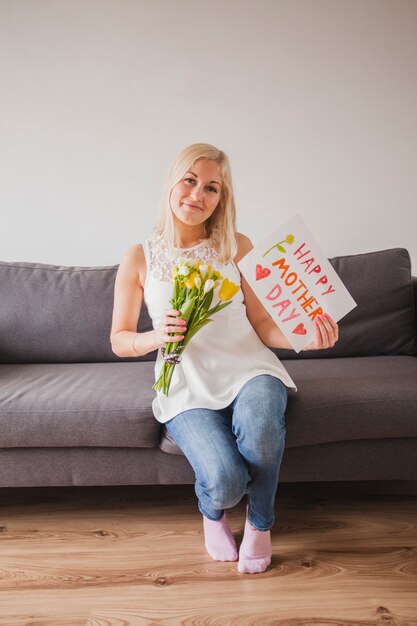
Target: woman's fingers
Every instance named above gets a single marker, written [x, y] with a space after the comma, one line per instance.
[317, 338]
[322, 334]
[173, 324]
[329, 331]
[171, 328]
[165, 337]
[335, 328]
[174, 329]
[171, 317]
[326, 333]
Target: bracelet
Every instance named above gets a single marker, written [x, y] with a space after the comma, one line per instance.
[133, 344]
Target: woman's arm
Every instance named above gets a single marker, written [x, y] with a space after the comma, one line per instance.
[327, 332]
[128, 298]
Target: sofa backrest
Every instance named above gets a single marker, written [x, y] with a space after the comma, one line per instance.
[59, 314]
[383, 322]
[62, 314]
[414, 283]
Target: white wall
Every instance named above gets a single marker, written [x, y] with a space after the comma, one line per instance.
[314, 101]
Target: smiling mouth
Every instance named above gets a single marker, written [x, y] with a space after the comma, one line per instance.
[193, 206]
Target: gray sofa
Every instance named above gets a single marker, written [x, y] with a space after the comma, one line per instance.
[74, 413]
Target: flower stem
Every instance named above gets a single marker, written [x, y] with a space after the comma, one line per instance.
[274, 246]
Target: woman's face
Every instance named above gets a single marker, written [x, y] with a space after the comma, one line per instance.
[196, 195]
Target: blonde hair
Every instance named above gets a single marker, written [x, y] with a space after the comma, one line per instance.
[220, 227]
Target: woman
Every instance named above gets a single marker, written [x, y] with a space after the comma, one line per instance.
[227, 399]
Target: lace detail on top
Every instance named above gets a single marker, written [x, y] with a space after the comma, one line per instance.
[161, 263]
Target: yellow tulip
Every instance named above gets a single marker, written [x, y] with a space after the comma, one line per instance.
[174, 272]
[190, 282]
[228, 290]
[289, 239]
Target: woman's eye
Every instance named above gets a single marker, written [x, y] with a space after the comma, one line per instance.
[193, 181]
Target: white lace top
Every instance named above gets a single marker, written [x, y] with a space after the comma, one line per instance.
[222, 356]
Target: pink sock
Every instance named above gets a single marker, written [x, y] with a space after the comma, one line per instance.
[255, 550]
[219, 541]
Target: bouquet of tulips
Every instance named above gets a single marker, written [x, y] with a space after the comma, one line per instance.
[193, 290]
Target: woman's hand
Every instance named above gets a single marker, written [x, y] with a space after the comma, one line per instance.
[170, 323]
[327, 333]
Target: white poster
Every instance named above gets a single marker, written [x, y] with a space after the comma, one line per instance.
[295, 282]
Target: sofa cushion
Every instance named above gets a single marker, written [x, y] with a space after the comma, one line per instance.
[59, 314]
[383, 321]
[78, 404]
[346, 399]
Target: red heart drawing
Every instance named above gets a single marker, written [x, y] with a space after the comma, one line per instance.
[262, 272]
[300, 330]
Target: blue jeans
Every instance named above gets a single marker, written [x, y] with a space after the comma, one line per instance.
[237, 450]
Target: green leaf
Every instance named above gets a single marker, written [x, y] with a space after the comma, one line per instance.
[187, 308]
[208, 299]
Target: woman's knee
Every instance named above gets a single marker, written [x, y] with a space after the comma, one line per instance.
[227, 484]
[261, 403]
[259, 417]
[265, 394]
[273, 394]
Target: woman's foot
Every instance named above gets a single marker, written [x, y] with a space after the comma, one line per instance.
[255, 550]
[219, 541]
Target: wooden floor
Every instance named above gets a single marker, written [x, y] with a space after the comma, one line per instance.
[343, 554]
